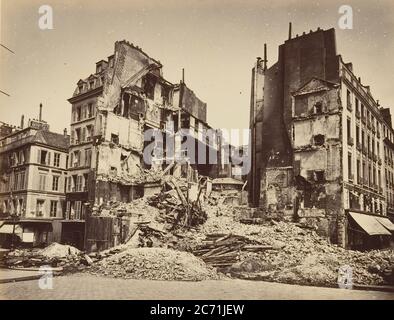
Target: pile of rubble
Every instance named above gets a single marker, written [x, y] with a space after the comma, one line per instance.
[63, 257]
[223, 250]
[177, 211]
[287, 252]
[127, 179]
[154, 264]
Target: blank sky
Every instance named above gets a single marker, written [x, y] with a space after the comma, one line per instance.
[216, 42]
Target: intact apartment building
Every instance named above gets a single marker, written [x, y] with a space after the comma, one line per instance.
[33, 162]
[111, 110]
[321, 146]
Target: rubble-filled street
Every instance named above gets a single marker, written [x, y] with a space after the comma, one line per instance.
[217, 247]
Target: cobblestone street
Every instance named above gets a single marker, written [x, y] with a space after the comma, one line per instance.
[81, 286]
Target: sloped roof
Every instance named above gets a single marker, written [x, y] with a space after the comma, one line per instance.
[314, 85]
[52, 139]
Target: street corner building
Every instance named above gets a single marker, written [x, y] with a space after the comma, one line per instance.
[322, 147]
[112, 110]
[33, 166]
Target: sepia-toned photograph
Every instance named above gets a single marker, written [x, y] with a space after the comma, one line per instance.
[215, 151]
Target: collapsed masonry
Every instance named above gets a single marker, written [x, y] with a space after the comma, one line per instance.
[112, 112]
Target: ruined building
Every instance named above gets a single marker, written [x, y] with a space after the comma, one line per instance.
[112, 109]
[33, 166]
[321, 147]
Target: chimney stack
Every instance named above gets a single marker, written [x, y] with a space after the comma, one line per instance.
[289, 30]
[40, 114]
[22, 121]
[265, 57]
[183, 75]
[65, 132]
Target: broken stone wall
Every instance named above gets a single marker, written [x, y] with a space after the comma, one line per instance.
[277, 192]
[317, 158]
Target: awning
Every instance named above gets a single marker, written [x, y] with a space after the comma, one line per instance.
[8, 228]
[369, 224]
[386, 223]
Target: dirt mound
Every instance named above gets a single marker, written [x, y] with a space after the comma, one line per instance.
[154, 264]
[56, 250]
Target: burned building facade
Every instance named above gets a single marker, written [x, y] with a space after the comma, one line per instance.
[112, 110]
[318, 141]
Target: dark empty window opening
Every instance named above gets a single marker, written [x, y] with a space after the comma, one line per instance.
[318, 107]
[319, 175]
[114, 138]
[318, 139]
[43, 157]
[149, 87]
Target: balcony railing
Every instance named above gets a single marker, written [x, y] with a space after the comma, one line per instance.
[359, 147]
[358, 115]
[350, 141]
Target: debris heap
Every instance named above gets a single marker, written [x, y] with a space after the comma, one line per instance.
[223, 250]
[154, 264]
[68, 258]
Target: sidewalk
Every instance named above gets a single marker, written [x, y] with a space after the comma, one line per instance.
[9, 275]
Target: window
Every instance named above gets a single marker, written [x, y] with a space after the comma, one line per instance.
[44, 157]
[318, 107]
[42, 182]
[83, 139]
[358, 171]
[69, 183]
[348, 99]
[55, 183]
[318, 139]
[91, 84]
[79, 183]
[114, 138]
[349, 131]
[78, 207]
[56, 159]
[90, 110]
[88, 157]
[53, 211]
[21, 180]
[349, 165]
[75, 157]
[40, 208]
[319, 175]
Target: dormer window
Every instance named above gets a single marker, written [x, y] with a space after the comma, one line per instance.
[91, 84]
[80, 88]
[99, 68]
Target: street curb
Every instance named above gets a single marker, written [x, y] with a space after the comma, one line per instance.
[27, 278]
[373, 288]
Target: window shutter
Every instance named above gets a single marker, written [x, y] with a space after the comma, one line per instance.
[39, 156]
[49, 159]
